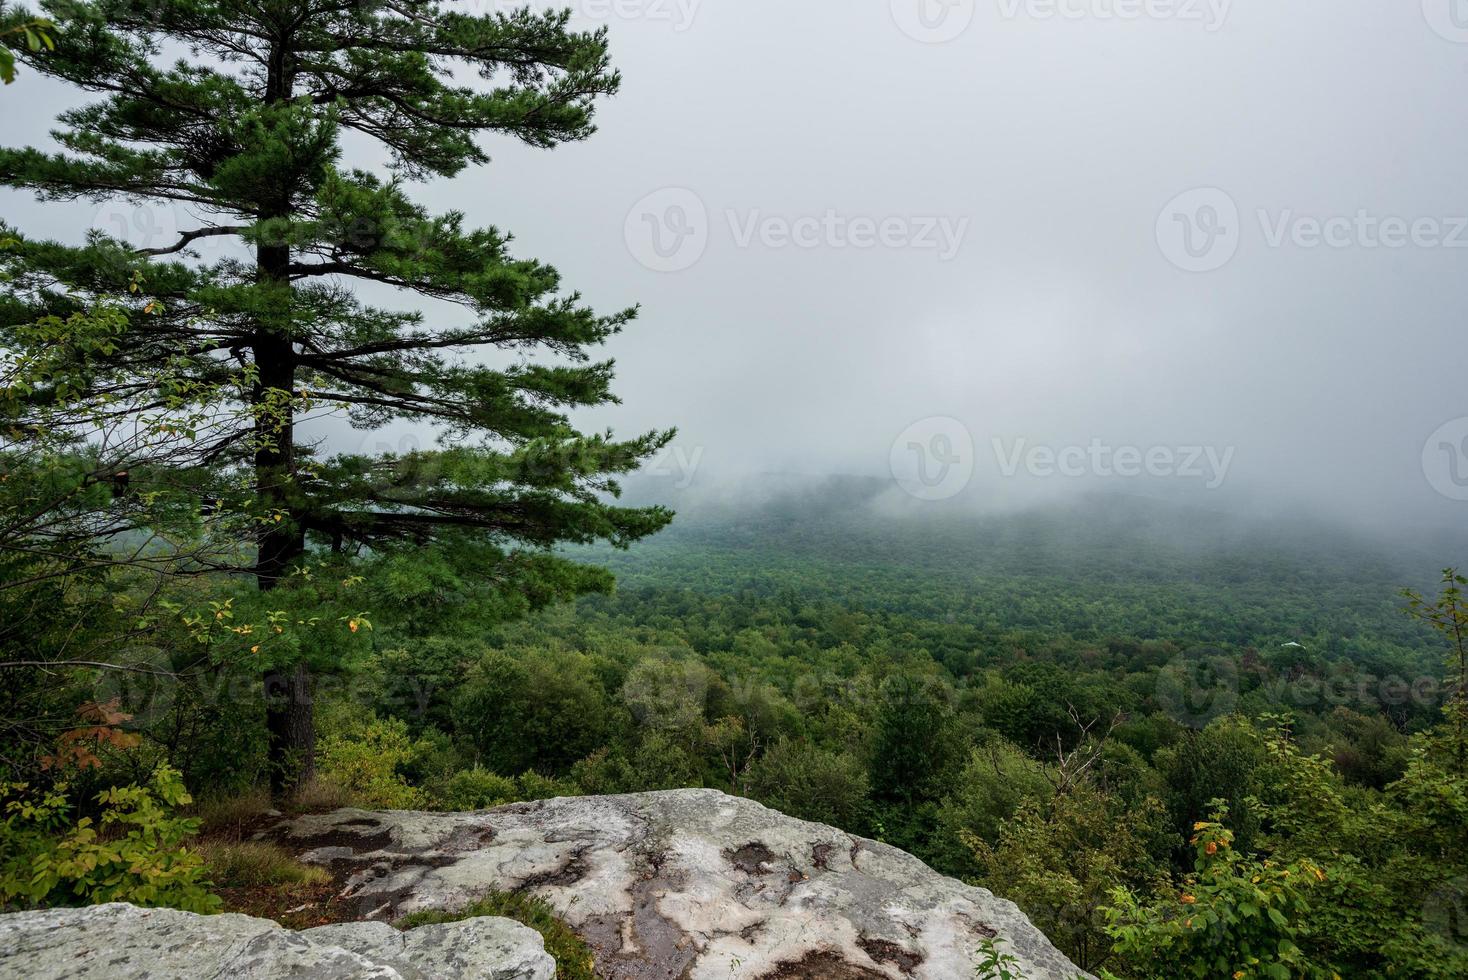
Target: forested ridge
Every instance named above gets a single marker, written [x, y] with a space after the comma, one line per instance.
[1066, 740]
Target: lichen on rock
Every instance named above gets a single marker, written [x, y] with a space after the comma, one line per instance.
[124, 942]
[683, 884]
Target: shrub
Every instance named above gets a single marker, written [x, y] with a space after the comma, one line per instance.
[1235, 916]
[573, 957]
[135, 853]
[366, 760]
[480, 789]
[475, 789]
[805, 781]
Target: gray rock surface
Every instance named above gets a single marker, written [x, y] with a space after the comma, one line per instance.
[687, 884]
[479, 947]
[123, 942]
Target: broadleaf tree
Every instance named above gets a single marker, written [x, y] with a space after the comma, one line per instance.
[235, 114]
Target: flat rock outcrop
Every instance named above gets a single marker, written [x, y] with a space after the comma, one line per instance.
[682, 885]
[124, 942]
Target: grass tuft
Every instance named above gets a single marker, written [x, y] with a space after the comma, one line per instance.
[229, 817]
[322, 794]
[573, 957]
[256, 864]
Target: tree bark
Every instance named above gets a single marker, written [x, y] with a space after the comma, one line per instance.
[289, 716]
[290, 723]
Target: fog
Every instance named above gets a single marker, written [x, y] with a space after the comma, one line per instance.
[1004, 252]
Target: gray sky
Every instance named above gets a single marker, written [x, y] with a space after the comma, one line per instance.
[875, 214]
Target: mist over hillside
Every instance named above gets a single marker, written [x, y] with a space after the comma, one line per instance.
[1125, 535]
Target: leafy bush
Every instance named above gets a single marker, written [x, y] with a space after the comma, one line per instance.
[996, 780]
[1234, 917]
[475, 789]
[573, 957]
[809, 782]
[135, 853]
[1059, 858]
[480, 789]
[365, 760]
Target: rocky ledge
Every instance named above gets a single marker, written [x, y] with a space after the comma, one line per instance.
[681, 885]
[123, 942]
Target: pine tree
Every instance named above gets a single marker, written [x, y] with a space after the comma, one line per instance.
[235, 113]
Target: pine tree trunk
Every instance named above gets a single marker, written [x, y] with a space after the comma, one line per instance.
[288, 710]
[291, 726]
[289, 718]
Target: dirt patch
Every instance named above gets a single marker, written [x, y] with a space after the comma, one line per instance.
[295, 907]
[357, 843]
[464, 841]
[360, 822]
[888, 952]
[751, 858]
[979, 928]
[654, 947]
[821, 966]
[569, 873]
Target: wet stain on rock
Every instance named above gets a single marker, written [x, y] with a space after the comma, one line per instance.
[888, 952]
[821, 965]
[751, 858]
[569, 873]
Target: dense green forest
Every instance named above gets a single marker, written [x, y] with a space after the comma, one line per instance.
[1090, 733]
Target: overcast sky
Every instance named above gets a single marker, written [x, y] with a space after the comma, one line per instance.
[871, 235]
